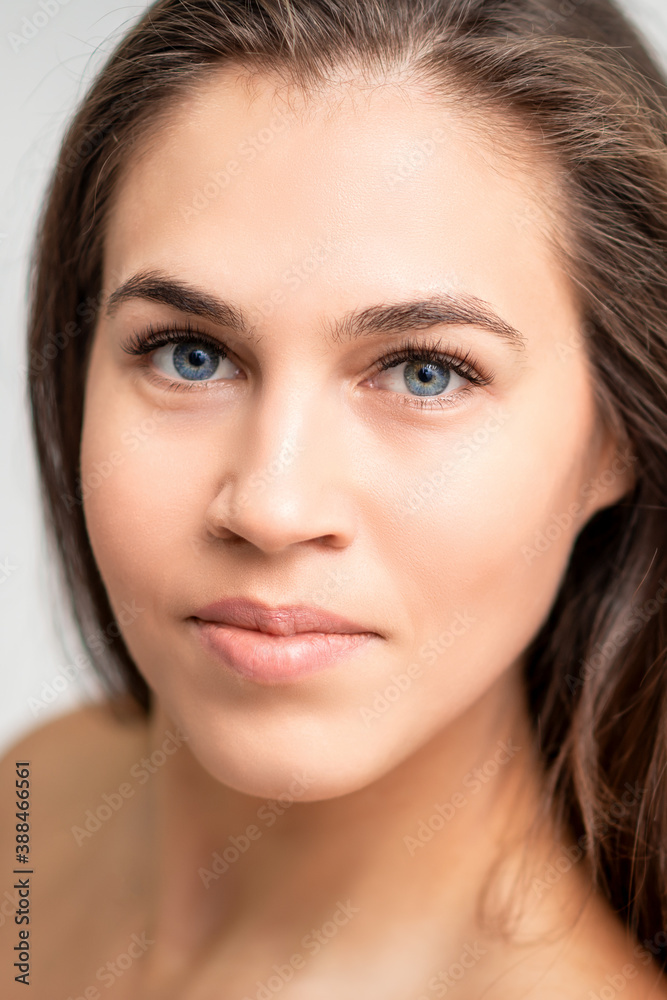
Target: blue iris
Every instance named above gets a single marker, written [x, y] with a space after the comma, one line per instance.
[195, 363]
[427, 375]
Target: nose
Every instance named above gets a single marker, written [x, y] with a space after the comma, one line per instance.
[284, 477]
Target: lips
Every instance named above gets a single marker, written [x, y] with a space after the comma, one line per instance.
[278, 645]
[282, 620]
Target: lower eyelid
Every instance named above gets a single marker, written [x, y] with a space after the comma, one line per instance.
[432, 403]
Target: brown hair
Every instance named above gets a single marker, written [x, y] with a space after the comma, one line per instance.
[581, 86]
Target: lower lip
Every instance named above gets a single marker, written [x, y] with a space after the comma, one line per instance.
[274, 659]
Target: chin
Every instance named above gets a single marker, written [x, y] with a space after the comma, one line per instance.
[296, 759]
[305, 777]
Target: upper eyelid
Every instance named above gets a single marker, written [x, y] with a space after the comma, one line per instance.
[167, 334]
[184, 332]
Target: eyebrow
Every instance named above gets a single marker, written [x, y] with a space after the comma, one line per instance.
[443, 308]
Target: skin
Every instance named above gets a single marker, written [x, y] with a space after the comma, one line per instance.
[180, 521]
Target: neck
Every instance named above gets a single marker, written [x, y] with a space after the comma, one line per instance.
[415, 846]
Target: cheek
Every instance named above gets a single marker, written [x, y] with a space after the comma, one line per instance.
[139, 490]
[469, 515]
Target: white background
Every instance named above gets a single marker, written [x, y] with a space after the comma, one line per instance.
[40, 84]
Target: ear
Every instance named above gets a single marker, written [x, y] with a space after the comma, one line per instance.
[613, 473]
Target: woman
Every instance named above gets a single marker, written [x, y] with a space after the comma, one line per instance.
[348, 366]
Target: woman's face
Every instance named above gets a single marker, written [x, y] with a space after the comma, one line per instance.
[434, 507]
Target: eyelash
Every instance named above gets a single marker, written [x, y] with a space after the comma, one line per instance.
[145, 342]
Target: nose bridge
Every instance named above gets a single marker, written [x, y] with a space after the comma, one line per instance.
[272, 457]
[277, 432]
[278, 490]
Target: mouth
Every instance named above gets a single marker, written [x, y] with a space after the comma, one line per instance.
[279, 644]
[274, 659]
[282, 620]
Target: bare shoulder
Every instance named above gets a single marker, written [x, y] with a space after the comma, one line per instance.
[62, 847]
[90, 735]
[67, 758]
[112, 719]
[632, 968]
[602, 959]
[569, 942]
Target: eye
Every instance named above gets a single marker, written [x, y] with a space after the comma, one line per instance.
[182, 354]
[189, 359]
[422, 373]
[423, 378]
[193, 361]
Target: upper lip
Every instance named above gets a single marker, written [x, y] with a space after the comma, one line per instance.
[286, 619]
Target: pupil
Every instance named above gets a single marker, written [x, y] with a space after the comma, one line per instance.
[197, 357]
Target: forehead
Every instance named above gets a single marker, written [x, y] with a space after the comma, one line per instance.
[387, 186]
